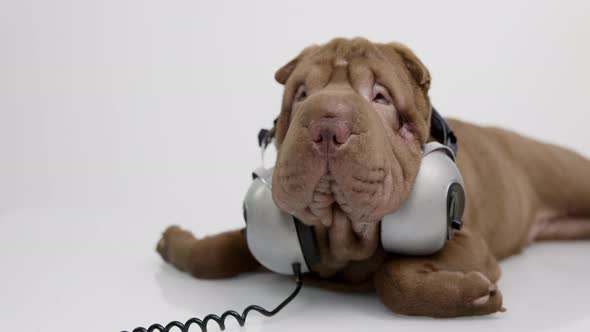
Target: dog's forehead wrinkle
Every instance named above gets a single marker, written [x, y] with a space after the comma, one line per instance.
[339, 76]
[318, 75]
[355, 73]
[351, 47]
[346, 52]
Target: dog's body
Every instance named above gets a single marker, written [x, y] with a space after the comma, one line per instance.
[354, 118]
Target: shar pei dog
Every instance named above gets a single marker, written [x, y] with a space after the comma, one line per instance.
[354, 118]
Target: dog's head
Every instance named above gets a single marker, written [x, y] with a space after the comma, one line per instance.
[354, 117]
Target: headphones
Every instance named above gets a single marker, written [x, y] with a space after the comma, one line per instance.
[428, 218]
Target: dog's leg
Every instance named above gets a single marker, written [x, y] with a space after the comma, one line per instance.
[460, 280]
[220, 256]
[565, 197]
[562, 228]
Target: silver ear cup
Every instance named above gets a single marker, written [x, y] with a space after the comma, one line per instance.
[424, 222]
[271, 234]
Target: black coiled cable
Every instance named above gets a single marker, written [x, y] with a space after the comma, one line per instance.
[221, 320]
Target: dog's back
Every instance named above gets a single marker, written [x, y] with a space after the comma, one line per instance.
[528, 189]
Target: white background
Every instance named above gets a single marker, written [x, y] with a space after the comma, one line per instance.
[119, 117]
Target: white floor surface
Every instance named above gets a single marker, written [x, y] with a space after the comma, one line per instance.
[97, 270]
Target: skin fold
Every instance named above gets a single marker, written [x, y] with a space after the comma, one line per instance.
[354, 117]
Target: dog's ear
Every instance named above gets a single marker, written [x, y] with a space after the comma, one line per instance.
[283, 74]
[417, 69]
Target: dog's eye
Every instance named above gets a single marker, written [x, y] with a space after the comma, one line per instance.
[380, 98]
[301, 93]
[380, 95]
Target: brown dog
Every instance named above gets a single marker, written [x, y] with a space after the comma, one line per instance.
[354, 117]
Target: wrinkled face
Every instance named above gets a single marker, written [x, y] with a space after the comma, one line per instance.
[349, 138]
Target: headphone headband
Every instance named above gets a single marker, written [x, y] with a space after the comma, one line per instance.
[442, 132]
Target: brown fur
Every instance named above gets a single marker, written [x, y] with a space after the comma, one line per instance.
[518, 190]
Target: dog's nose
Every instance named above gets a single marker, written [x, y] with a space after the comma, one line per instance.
[330, 116]
[329, 133]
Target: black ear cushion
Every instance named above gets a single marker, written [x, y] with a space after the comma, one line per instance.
[308, 242]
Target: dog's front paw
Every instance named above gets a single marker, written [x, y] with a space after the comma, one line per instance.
[174, 246]
[415, 289]
[219, 256]
[480, 295]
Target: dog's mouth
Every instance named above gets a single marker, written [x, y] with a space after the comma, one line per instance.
[331, 193]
